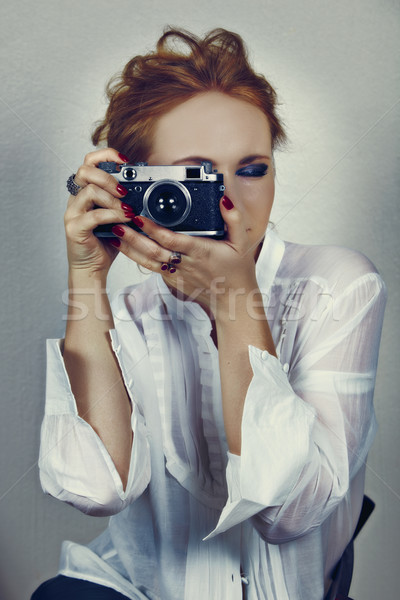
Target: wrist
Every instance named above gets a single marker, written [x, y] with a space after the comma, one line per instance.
[245, 324]
[239, 304]
[88, 300]
[86, 278]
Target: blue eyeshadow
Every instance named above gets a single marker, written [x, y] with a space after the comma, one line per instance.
[253, 170]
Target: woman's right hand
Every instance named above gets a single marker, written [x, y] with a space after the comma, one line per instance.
[87, 254]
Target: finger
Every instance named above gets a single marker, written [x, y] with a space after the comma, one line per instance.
[236, 234]
[142, 249]
[89, 174]
[93, 196]
[82, 225]
[92, 159]
[171, 240]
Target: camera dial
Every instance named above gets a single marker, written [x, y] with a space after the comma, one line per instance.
[129, 173]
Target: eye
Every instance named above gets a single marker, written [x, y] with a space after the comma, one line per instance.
[253, 171]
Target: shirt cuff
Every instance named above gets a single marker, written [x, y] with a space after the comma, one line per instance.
[68, 440]
[276, 443]
[59, 397]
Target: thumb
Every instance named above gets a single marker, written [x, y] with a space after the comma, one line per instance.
[236, 233]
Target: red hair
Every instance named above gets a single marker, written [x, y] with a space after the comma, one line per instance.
[151, 85]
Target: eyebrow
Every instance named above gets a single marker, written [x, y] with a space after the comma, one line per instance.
[252, 158]
[198, 159]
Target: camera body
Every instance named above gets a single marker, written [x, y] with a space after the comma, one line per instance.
[182, 198]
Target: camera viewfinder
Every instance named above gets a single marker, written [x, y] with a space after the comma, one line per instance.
[193, 172]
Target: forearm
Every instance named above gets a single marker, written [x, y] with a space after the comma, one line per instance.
[235, 332]
[93, 370]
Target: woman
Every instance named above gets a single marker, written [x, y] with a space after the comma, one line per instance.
[222, 410]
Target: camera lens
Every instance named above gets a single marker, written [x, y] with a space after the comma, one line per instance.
[167, 203]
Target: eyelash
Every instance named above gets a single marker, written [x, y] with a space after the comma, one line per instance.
[253, 171]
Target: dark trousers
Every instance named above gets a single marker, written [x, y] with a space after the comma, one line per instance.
[68, 588]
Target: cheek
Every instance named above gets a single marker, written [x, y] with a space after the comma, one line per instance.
[258, 200]
[270, 189]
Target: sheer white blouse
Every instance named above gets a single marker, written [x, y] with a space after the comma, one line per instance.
[195, 519]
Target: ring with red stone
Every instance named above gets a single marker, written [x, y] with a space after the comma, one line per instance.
[175, 258]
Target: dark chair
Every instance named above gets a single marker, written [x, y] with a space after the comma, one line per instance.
[341, 578]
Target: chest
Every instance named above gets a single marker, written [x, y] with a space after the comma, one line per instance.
[181, 403]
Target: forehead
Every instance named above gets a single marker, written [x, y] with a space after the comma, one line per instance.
[211, 124]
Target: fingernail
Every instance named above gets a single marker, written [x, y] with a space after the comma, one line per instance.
[138, 221]
[227, 203]
[121, 190]
[115, 243]
[117, 230]
[128, 210]
[123, 157]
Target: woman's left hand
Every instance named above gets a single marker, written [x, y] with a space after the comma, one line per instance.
[211, 272]
[220, 276]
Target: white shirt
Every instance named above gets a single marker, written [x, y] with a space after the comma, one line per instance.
[192, 514]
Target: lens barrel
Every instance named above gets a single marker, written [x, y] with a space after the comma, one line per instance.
[167, 203]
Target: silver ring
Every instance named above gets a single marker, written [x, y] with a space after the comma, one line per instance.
[175, 258]
[73, 187]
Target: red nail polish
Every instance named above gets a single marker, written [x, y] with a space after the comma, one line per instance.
[121, 190]
[128, 211]
[138, 221]
[227, 203]
[117, 230]
[115, 243]
[123, 157]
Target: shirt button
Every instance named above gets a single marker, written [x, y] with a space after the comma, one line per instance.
[286, 367]
[264, 355]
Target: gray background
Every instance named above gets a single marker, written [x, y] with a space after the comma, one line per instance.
[336, 68]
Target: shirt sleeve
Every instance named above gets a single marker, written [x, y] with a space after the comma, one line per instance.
[307, 427]
[74, 464]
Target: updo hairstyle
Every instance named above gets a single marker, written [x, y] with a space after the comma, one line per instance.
[182, 66]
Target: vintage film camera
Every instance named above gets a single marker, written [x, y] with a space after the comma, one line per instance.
[182, 198]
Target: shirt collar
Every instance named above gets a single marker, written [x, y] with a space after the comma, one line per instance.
[269, 259]
[183, 309]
